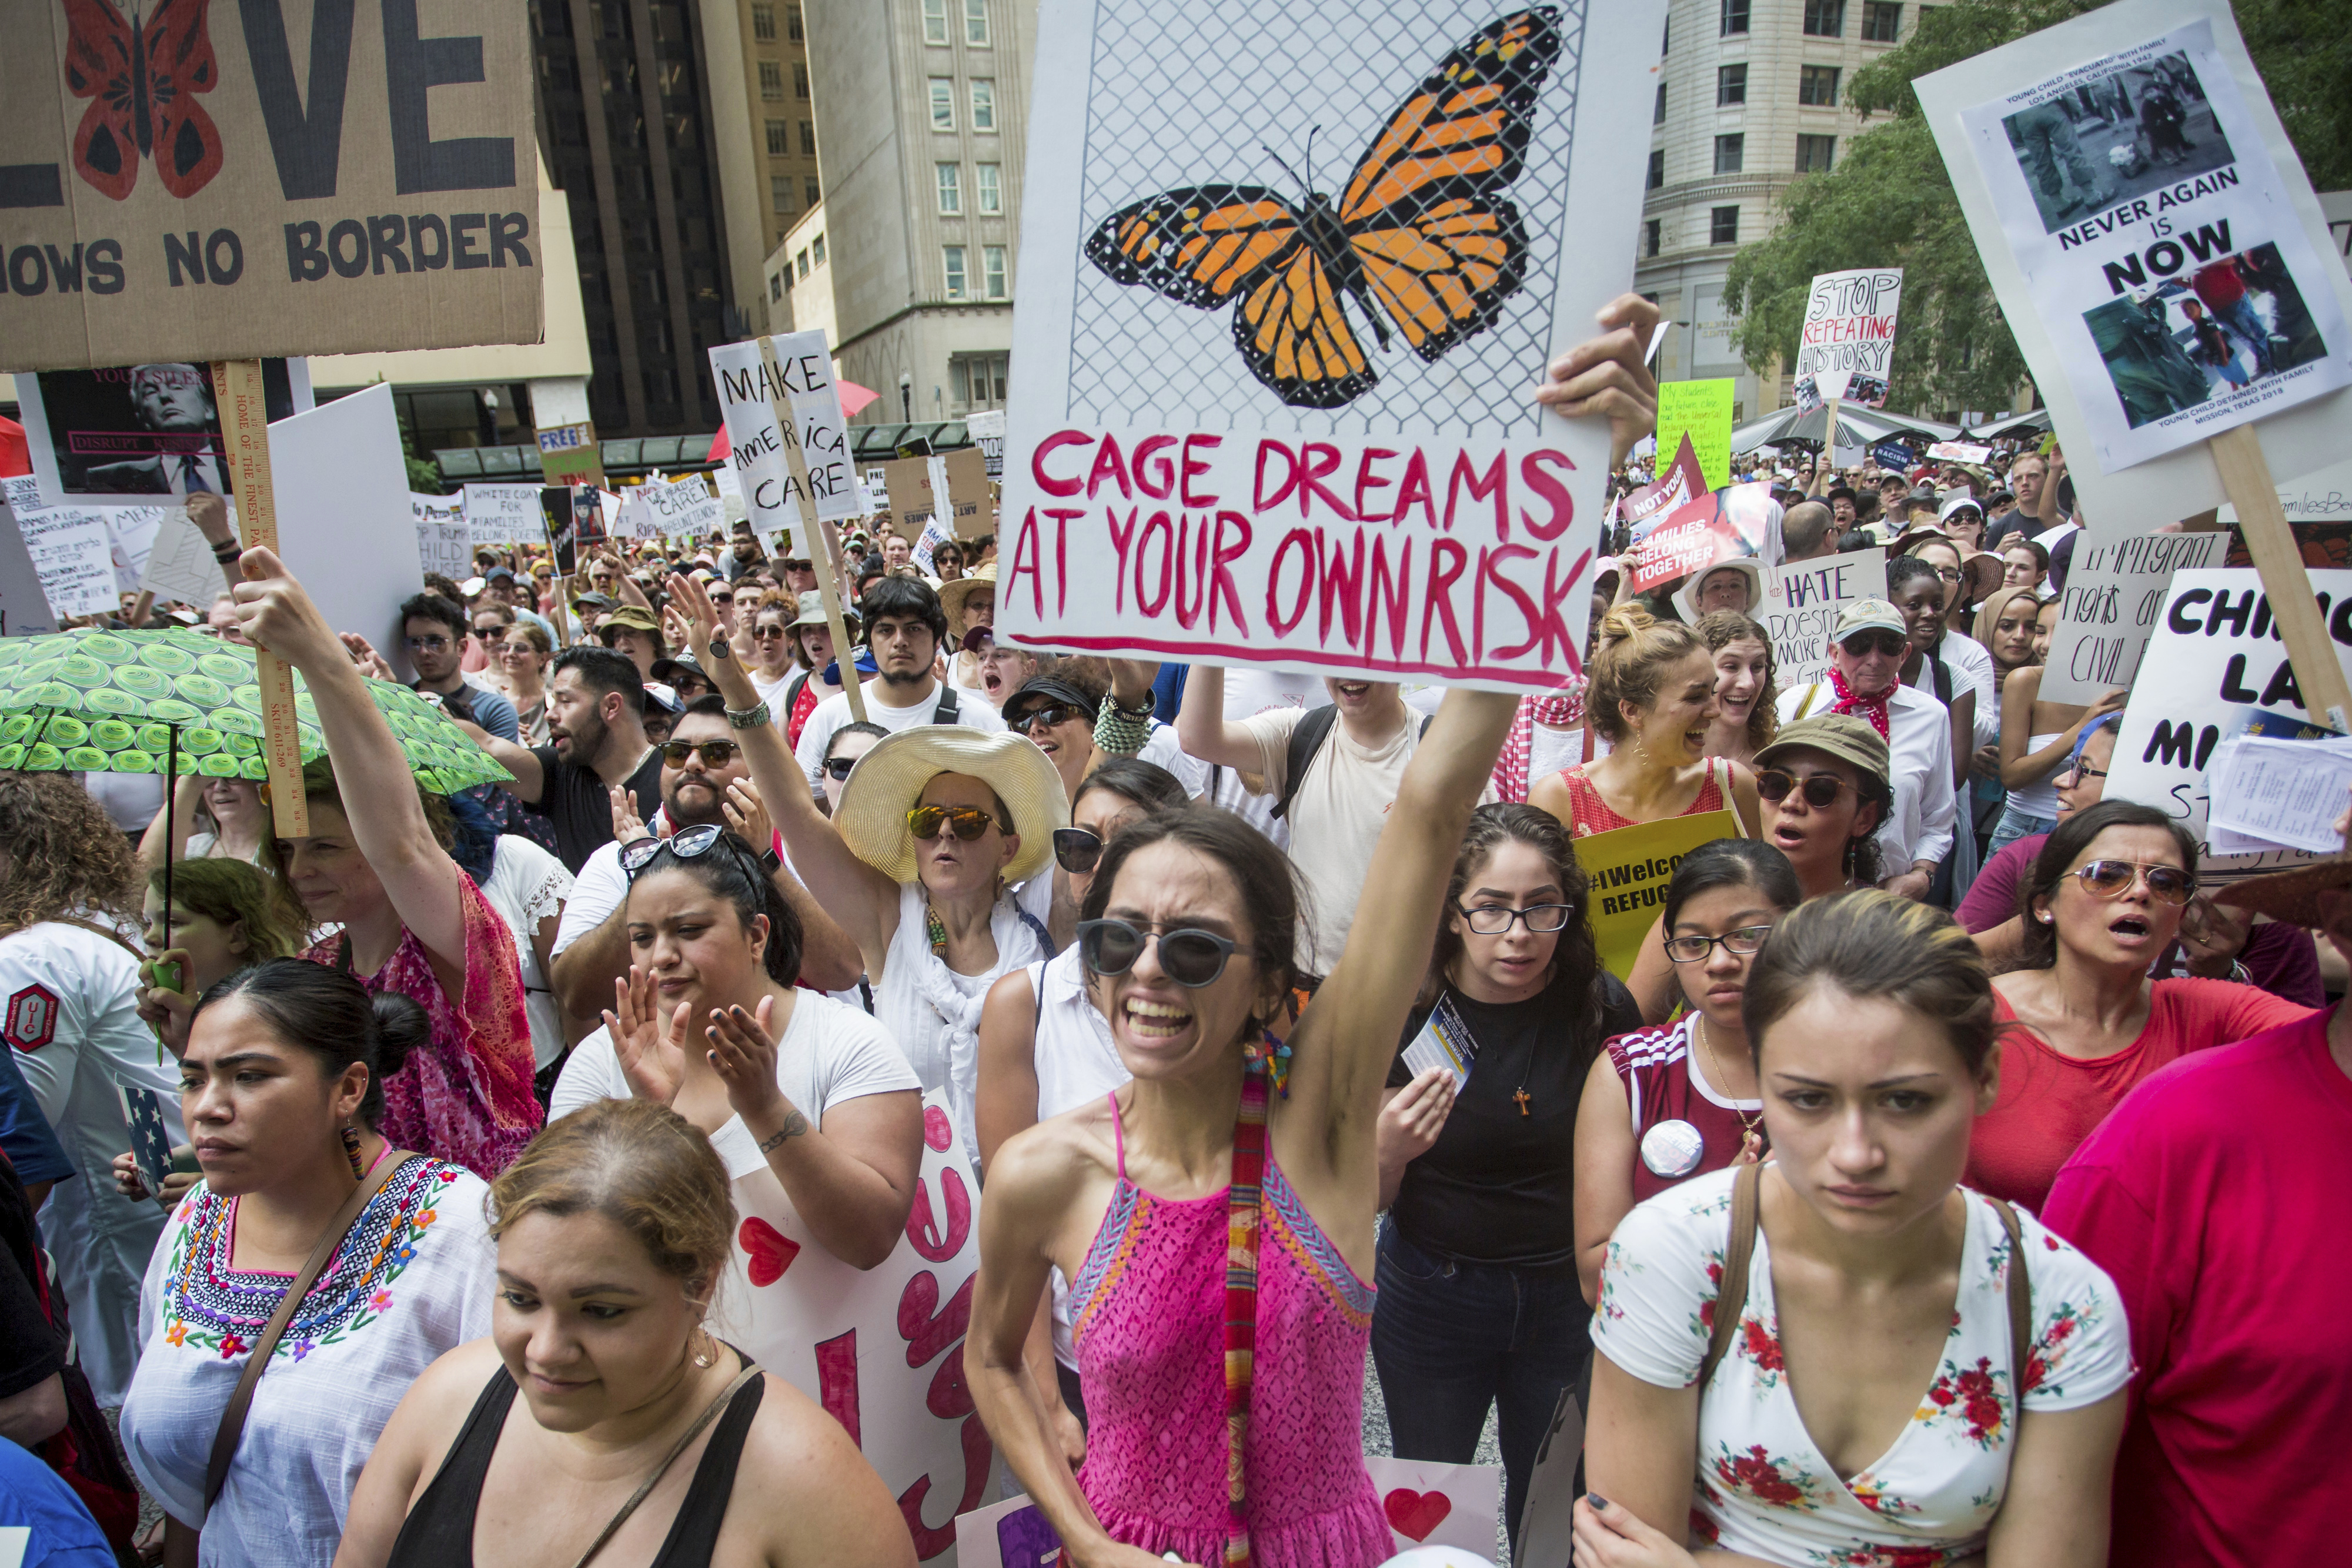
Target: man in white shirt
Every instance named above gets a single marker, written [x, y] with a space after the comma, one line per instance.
[903, 629]
[1867, 655]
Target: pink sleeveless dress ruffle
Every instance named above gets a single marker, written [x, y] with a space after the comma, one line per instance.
[1148, 1315]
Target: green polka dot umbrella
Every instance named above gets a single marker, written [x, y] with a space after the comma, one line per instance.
[106, 702]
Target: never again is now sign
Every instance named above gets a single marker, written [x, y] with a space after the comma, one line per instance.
[184, 181]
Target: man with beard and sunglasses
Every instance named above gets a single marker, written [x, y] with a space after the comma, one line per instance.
[904, 630]
[703, 773]
[597, 727]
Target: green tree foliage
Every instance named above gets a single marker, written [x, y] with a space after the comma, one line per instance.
[1889, 202]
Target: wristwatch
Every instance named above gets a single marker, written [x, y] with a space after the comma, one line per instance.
[769, 861]
[750, 717]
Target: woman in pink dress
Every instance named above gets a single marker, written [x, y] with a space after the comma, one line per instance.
[412, 922]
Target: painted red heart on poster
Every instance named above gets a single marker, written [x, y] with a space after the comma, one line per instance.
[1416, 1514]
[770, 1251]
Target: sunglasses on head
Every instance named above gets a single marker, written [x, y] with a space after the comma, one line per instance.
[1191, 958]
[1077, 849]
[1879, 641]
[1050, 715]
[715, 753]
[1820, 790]
[687, 844]
[966, 822]
[2112, 879]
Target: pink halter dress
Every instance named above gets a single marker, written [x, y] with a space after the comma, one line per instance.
[1148, 1317]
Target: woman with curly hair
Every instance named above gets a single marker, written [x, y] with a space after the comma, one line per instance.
[1746, 687]
[69, 1016]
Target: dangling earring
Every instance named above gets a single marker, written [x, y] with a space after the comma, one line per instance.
[352, 1151]
[708, 1356]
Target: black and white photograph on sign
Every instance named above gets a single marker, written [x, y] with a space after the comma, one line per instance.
[2115, 137]
[2232, 321]
[133, 431]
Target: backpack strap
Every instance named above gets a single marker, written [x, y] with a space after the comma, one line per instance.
[948, 707]
[1806, 706]
[1045, 938]
[2020, 1302]
[1305, 741]
[1738, 1251]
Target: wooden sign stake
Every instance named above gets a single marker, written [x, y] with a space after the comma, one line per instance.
[245, 422]
[2270, 540]
[819, 557]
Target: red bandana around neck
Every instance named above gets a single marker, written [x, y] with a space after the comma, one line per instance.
[1873, 708]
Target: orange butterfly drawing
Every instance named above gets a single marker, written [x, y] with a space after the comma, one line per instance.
[1418, 237]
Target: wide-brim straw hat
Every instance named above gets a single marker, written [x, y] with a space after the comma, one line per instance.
[888, 781]
[2290, 897]
[953, 594]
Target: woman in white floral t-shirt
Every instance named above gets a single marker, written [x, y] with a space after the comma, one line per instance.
[1866, 1410]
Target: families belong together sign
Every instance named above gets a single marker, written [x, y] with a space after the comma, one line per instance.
[1290, 280]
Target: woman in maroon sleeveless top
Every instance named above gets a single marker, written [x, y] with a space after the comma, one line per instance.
[1663, 1105]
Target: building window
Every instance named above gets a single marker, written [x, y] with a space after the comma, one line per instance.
[1815, 153]
[1825, 18]
[763, 23]
[801, 261]
[991, 272]
[1658, 110]
[816, 250]
[1730, 85]
[988, 187]
[1882, 20]
[808, 137]
[1657, 169]
[1730, 153]
[1723, 225]
[975, 23]
[793, 22]
[771, 79]
[812, 190]
[780, 191]
[1817, 86]
[800, 80]
[951, 183]
[978, 380]
[935, 21]
[775, 287]
[1650, 236]
[983, 105]
[779, 138]
[1735, 16]
[1667, 37]
[942, 103]
[959, 283]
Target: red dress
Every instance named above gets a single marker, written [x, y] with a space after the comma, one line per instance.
[1592, 814]
[467, 1098]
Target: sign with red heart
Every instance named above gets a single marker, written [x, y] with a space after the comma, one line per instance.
[1433, 1504]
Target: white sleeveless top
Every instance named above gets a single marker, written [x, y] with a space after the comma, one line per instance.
[933, 1013]
[1076, 1064]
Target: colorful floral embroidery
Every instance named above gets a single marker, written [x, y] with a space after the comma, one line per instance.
[1776, 1483]
[1762, 1349]
[1874, 1496]
[1975, 1395]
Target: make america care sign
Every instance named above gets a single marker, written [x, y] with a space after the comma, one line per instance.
[190, 179]
[1278, 333]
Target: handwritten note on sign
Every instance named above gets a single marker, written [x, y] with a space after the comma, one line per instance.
[745, 390]
[1801, 603]
[2113, 594]
[654, 511]
[69, 550]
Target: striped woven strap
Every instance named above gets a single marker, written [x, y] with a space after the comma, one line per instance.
[1242, 1203]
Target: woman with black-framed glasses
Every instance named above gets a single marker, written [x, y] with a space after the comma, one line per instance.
[1479, 1305]
[2107, 897]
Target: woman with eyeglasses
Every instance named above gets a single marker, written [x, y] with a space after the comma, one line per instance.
[848, 743]
[522, 658]
[1479, 1305]
[775, 656]
[2105, 898]
[2036, 739]
[1046, 1048]
[1664, 1104]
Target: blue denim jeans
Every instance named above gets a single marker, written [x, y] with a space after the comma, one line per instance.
[2014, 825]
[1451, 1339]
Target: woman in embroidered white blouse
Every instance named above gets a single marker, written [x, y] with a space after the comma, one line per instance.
[1868, 1409]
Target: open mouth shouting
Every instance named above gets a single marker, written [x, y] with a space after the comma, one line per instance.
[1155, 1023]
[2129, 930]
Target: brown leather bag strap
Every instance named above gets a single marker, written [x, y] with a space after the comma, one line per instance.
[232, 1421]
[2020, 1302]
[1739, 1249]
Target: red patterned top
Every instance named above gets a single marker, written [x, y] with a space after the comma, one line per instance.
[466, 1098]
[1592, 814]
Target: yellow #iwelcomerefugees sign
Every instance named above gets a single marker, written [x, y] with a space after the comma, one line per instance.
[1630, 869]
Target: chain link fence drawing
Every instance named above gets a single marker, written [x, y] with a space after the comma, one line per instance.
[1167, 110]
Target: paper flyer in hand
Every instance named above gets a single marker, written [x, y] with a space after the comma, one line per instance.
[1444, 1041]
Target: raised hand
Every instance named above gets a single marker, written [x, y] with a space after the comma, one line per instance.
[276, 613]
[650, 1048]
[364, 655]
[627, 826]
[1610, 376]
[743, 1053]
[748, 816]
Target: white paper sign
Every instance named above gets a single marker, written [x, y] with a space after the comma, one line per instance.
[130, 534]
[498, 515]
[1802, 600]
[345, 525]
[758, 446]
[660, 511]
[71, 553]
[24, 607]
[180, 565]
[986, 429]
[1846, 347]
[2324, 497]
[2282, 794]
[2114, 593]
[881, 1349]
[1297, 452]
[935, 534]
[2153, 244]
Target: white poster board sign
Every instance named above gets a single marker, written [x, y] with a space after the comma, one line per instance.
[500, 514]
[986, 429]
[2113, 594]
[2085, 247]
[757, 453]
[881, 1349]
[652, 511]
[71, 554]
[129, 535]
[23, 609]
[2214, 669]
[1802, 600]
[2324, 497]
[1846, 347]
[180, 565]
[345, 528]
[1244, 428]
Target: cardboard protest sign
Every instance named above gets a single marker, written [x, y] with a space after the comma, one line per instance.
[1846, 347]
[1630, 867]
[2114, 593]
[2117, 170]
[965, 472]
[745, 389]
[653, 511]
[500, 514]
[907, 484]
[180, 565]
[1734, 521]
[569, 455]
[2214, 669]
[1700, 411]
[24, 607]
[1259, 425]
[1802, 600]
[126, 433]
[881, 1349]
[346, 528]
[1677, 484]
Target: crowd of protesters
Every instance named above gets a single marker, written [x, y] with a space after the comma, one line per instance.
[1951, 1179]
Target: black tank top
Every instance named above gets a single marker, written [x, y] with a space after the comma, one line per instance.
[439, 1530]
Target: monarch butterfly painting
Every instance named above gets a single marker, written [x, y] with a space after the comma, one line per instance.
[1419, 239]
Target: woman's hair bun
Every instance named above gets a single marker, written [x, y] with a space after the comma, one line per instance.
[401, 1027]
[1623, 620]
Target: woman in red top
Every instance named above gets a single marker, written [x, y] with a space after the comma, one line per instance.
[1652, 697]
[1663, 1105]
[2106, 896]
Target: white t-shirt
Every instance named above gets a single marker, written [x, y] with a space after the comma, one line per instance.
[972, 713]
[831, 1053]
[528, 884]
